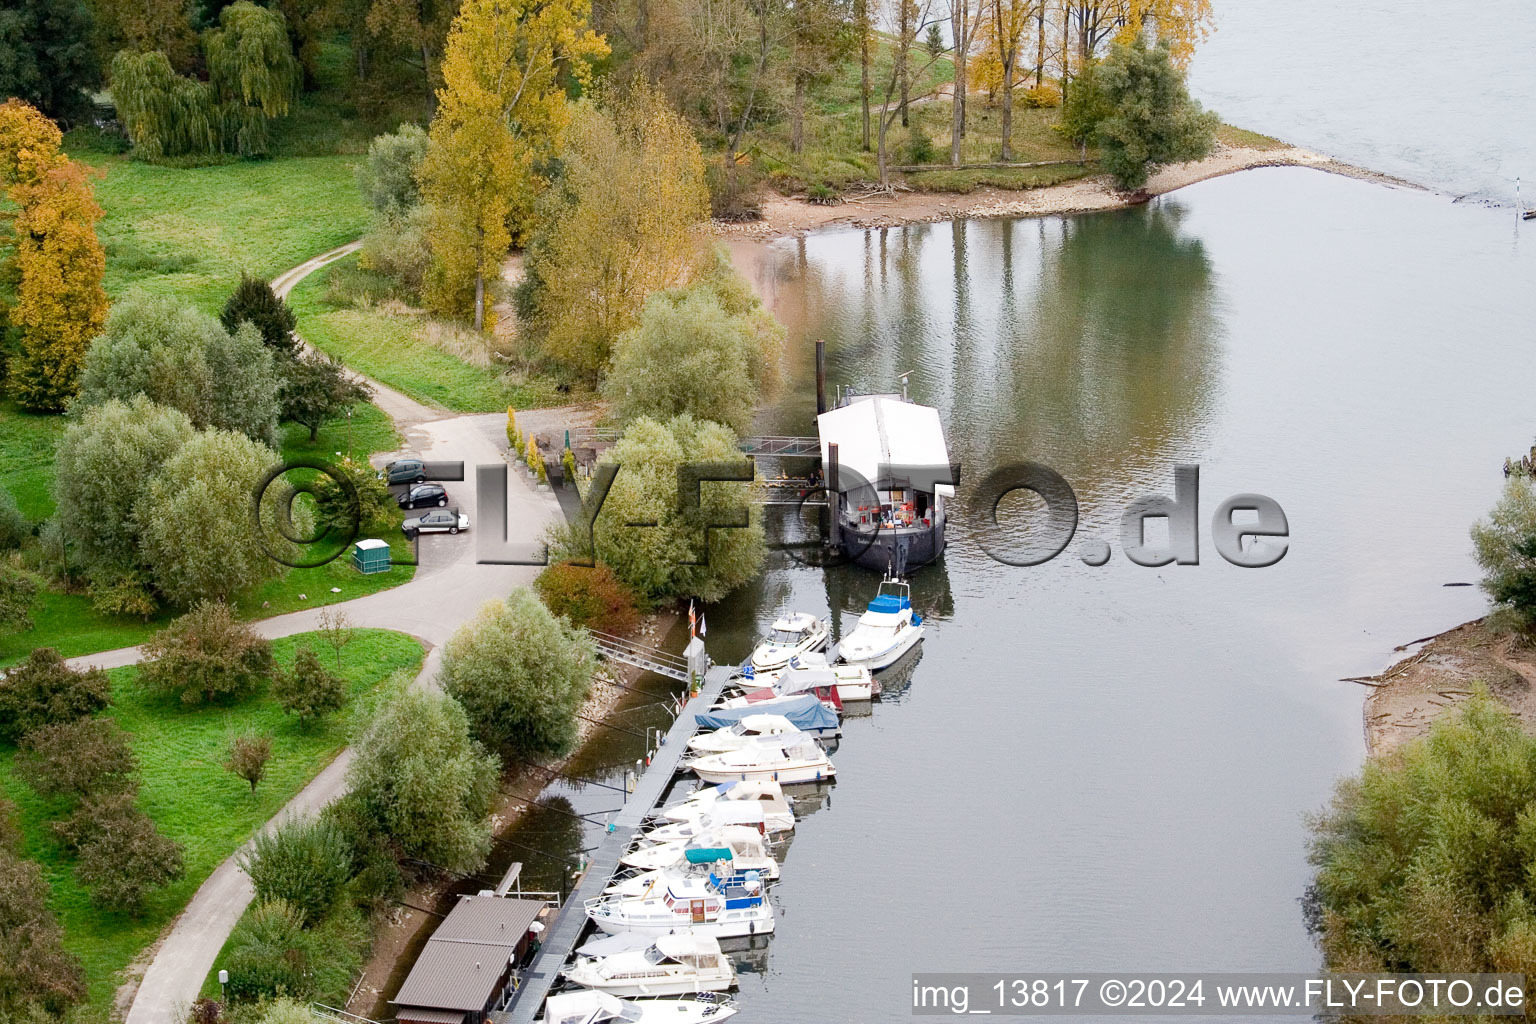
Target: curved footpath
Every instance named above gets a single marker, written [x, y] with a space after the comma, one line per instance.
[446, 591]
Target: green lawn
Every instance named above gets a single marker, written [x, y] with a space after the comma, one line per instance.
[26, 457]
[190, 795]
[385, 345]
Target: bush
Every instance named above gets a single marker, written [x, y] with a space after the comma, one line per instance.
[86, 822]
[79, 758]
[304, 862]
[125, 859]
[1505, 545]
[1041, 97]
[590, 596]
[35, 971]
[43, 690]
[248, 757]
[14, 527]
[1084, 105]
[919, 148]
[396, 247]
[206, 655]
[373, 510]
[286, 1011]
[1151, 118]
[310, 690]
[388, 176]
[420, 783]
[18, 589]
[271, 953]
[822, 194]
[521, 674]
[10, 832]
[735, 193]
[254, 302]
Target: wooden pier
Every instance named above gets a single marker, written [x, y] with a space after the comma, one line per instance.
[561, 938]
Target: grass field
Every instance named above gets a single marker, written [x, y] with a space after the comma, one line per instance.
[386, 345]
[190, 795]
[26, 458]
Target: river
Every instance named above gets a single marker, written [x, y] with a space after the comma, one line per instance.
[1108, 769]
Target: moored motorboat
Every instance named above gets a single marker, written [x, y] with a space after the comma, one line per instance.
[804, 761]
[888, 629]
[812, 671]
[680, 963]
[804, 711]
[589, 1006]
[722, 907]
[777, 815]
[753, 814]
[740, 847]
[741, 733]
[795, 634]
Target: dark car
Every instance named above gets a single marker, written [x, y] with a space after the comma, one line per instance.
[424, 494]
[438, 521]
[404, 471]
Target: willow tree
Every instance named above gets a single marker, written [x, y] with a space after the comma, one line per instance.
[164, 113]
[250, 59]
[501, 114]
[627, 220]
[56, 258]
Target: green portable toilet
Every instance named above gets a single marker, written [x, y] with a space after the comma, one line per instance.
[371, 555]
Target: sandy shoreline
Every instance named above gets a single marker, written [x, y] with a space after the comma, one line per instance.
[785, 216]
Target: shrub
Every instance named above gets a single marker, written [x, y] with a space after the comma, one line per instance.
[521, 675]
[420, 782]
[920, 149]
[254, 302]
[88, 755]
[18, 589]
[514, 437]
[271, 953]
[1505, 545]
[735, 192]
[388, 176]
[205, 655]
[286, 1011]
[1084, 105]
[305, 862]
[534, 459]
[91, 816]
[10, 832]
[310, 690]
[14, 527]
[590, 596]
[248, 757]
[1042, 96]
[43, 690]
[1151, 119]
[396, 247]
[125, 859]
[335, 509]
[823, 194]
[36, 973]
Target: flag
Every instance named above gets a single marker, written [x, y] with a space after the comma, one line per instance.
[703, 627]
[693, 623]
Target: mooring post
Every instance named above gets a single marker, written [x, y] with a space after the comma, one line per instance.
[834, 511]
[821, 377]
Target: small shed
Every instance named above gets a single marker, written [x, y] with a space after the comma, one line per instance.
[371, 555]
[465, 970]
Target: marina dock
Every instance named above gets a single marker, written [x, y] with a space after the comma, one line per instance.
[561, 939]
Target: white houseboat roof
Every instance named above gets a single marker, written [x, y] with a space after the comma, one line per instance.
[874, 431]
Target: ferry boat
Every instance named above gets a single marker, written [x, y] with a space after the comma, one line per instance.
[887, 630]
[667, 965]
[795, 634]
[887, 464]
[722, 907]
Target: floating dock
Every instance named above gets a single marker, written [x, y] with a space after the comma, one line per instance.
[560, 940]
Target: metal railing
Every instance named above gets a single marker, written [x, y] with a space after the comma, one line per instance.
[617, 648]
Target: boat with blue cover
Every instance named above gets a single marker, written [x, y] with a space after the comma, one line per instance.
[888, 629]
[722, 906]
[804, 712]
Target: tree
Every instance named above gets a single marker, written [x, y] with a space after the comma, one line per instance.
[1152, 119]
[335, 507]
[689, 355]
[417, 28]
[250, 63]
[43, 690]
[182, 358]
[521, 674]
[304, 861]
[140, 26]
[208, 485]
[819, 41]
[1424, 859]
[422, 784]
[626, 218]
[56, 258]
[1004, 22]
[336, 630]
[101, 463]
[35, 971]
[1084, 105]
[248, 757]
[1180, 23]
[309, 691]
[18, 589]
[254, 302]
[14, 527]
[679, 555]
[52, 64]
[963, 19]
[317, 387]
[125, 859]
[388, 177]
[205, 655]
[88, 755]
[1505, 546]
[588, 596]
[501, 114]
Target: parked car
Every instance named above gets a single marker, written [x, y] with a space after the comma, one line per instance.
[424, 494]
[443, 520]
[404, 471]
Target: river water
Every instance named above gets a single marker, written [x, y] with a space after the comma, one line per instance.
[1107, 769]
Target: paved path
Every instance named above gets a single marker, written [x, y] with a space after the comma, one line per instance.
[449, 587]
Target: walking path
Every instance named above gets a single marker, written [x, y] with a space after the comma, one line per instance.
[449, 587]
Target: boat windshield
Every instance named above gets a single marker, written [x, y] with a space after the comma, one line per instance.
[654, 955]
[786, 637]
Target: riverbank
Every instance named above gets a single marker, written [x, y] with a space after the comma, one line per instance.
[788, 216]
[1438, 673]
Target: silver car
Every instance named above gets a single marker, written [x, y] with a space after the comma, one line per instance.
[443, 520]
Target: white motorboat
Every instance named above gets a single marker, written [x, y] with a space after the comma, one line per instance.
[666, 965]
[778, 816]
[805, 712]
[809, 672]
[803, 761]
[886, 631]
[749, 730]
[589, 1006]
[722, 907]
[751, 813]
[795, 634]
[740, 845]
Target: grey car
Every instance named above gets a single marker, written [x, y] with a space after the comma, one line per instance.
[443, 520]
[404, 471]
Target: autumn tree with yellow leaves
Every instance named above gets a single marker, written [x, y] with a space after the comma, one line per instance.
[55, 258]
[501, 114]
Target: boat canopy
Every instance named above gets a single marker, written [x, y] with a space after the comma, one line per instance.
[889, 604]
[876, 433]
[708, 854]
[608, 945]
[805, 713]
[681, 944]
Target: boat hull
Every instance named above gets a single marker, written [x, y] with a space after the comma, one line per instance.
[897, 552]
[784, 776]
[680, 987]
[656, 924]
[891, 655]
